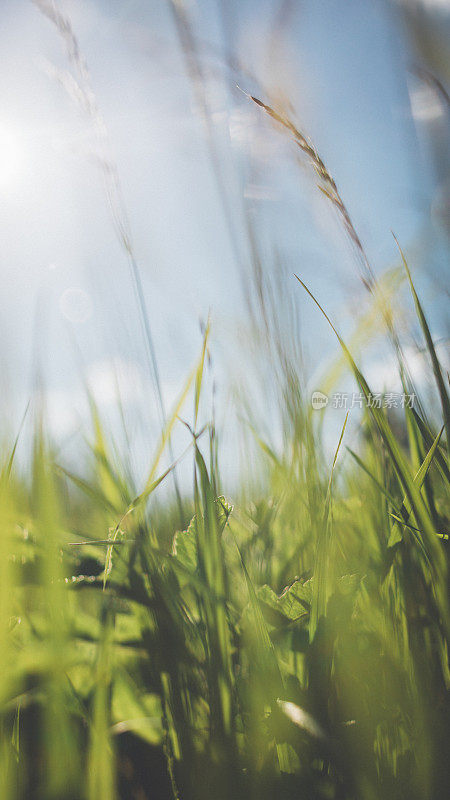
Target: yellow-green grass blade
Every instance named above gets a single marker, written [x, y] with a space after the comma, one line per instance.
[443, 394]
[405, 477]
[321, 587]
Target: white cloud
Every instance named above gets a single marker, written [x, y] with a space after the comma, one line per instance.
[426, 105]
[383, 374]
[433, 5]
[111, 380]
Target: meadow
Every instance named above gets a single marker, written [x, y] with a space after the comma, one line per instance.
[289, 641]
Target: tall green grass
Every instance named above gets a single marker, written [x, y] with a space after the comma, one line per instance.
[290, 641]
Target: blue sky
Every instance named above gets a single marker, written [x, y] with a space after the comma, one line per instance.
[67, 302]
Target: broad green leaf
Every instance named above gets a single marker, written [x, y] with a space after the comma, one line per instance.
[293, 603]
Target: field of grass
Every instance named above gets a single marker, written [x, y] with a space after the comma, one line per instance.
[288, 642]
[291, 642]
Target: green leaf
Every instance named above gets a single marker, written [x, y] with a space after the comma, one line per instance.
[293, 603]
[185, 546]
[185, 543]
